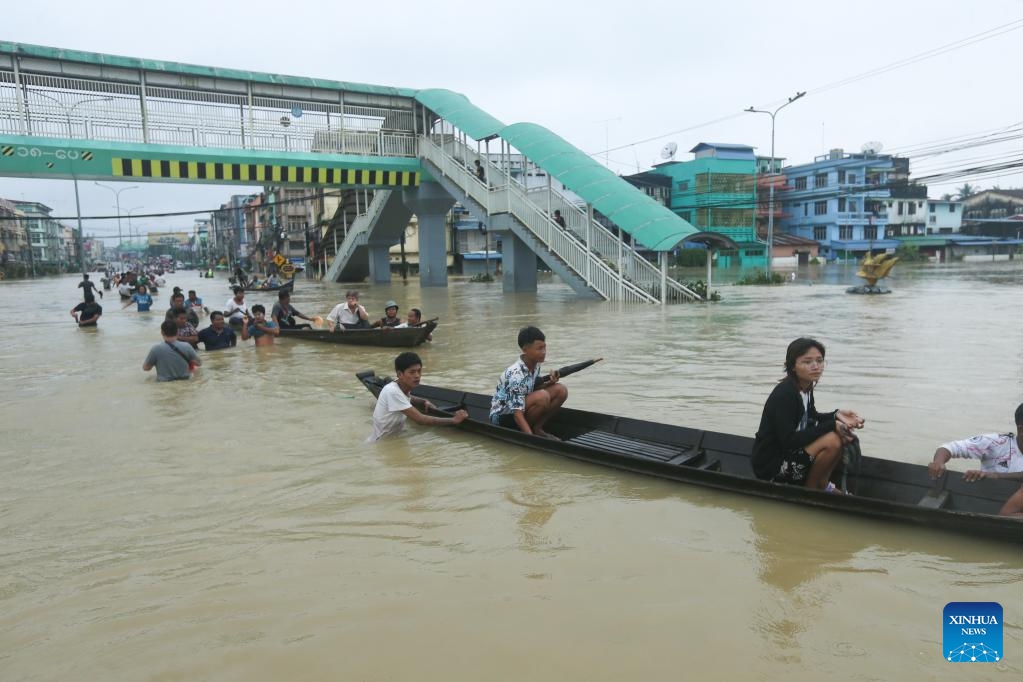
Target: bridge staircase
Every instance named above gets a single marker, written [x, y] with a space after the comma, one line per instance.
[346, 238]
[589, 257]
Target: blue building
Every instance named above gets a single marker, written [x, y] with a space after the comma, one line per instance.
[840, 200]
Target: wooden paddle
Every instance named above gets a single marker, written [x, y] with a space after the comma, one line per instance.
[565, 371]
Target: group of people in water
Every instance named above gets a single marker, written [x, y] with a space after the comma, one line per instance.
[175, 357]
[795, 444]
[353, 315]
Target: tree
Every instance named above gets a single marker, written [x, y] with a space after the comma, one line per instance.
[966, 191]
[946, 197]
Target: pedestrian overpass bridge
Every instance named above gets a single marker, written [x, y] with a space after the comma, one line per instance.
[390, 151]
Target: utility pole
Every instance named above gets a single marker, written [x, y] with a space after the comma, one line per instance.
[78, 205]
[770, 202]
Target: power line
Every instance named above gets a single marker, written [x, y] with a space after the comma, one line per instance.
[974, 39]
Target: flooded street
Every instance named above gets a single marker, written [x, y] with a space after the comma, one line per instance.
[238, 527]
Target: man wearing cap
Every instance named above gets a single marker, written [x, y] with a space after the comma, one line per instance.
[349, 315]
[390, 318]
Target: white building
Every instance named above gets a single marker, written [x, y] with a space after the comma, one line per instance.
[911, 216]
[943, 216]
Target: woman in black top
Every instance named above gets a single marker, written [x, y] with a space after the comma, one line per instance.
[795, 443]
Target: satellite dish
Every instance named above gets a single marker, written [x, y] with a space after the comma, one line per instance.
[668, 150]
[872, 147]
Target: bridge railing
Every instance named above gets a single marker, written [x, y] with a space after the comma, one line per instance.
[605, 243]
[88, 109]
[494, 195]
[500, 194]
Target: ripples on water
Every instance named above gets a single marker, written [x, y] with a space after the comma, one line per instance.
[238, 527]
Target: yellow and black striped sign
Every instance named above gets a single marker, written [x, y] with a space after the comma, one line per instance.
[7, 150]
[258, 172]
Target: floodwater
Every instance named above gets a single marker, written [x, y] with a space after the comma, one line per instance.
[238, 527]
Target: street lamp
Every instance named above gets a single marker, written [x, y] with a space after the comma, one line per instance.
[117, 196]
[78, 204]
[770, 202]
[129, 212]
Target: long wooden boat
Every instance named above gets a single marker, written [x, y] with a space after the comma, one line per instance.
[880, 488]
[384, 337]
[287, 286]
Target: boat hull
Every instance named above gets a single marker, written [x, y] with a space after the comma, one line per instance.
[407, 337]
[881, 489]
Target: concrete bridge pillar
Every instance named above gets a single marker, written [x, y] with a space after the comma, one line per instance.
[518, 264]
[379, 263]
[431, 203]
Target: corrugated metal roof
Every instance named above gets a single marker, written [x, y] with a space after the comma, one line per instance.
[650, 223]
[456, 108]
[100, 59]
[722, 145]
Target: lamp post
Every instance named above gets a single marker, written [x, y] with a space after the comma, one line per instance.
[129, 212]
[117, 197]
[770, 201]
[74, 178]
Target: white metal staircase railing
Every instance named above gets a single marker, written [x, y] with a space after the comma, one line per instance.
[358, 234]
[604, 244]
[502, 195]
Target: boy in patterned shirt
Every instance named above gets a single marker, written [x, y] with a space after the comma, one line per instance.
[516, 405]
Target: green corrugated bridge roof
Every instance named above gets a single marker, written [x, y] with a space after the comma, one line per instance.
[650, 223]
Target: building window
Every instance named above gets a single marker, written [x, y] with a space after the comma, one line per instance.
[800, 183]
[806, 209]
[870, 232]
[687, 216]
[820, 180]
[900, 208]
[933, 220]
[852, 178]
[841, 204]
[841, 177]
[845, 232]
[933, 207]
[820, 232]
[951, 208]
[912, 208]
[852, 206]
[820, 207]
[683, 185]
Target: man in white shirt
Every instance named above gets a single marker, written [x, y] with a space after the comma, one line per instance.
[999, 454]
[235, 308]
[349, 315]
[394, 404]
[1000, 457]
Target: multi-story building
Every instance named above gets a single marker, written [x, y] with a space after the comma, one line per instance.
[994, 213]
[13, 235]
[912, 216]
[715, 191]
[839, 201]
[44, 233]
[69, 245]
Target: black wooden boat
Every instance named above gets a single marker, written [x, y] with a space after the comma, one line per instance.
[287, 286]
[880, 488]
[382, 337]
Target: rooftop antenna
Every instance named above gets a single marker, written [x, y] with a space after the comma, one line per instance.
[668, 151]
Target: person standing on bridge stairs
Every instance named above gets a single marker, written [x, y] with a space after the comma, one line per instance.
[559, 219]
[480, 174]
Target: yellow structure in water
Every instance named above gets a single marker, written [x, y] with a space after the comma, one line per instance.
[873, 268]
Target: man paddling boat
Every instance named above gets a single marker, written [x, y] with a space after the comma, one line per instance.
[515, 404]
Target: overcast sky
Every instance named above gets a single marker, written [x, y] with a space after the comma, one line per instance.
[631, 76]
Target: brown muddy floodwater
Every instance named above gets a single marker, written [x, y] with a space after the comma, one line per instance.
[238, 527]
